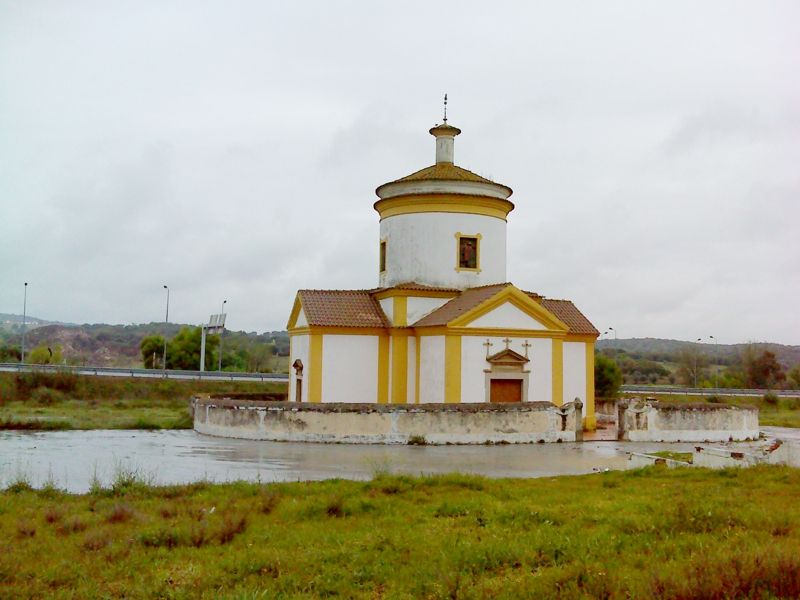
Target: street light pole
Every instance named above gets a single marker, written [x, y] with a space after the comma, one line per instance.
[615, 332]
[221, 333]
[24, 318]
[696, 351]
[166, 323]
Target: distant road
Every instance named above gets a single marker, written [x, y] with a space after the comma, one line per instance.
[147, 373]
[656, 389]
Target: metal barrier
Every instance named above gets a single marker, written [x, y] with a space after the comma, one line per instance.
[656, 389]
[144, 373]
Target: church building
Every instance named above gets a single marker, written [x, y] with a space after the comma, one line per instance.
[443, 325]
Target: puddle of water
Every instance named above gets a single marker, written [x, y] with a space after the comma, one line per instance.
[71, 459]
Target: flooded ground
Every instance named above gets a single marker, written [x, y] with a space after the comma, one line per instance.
[71, 459]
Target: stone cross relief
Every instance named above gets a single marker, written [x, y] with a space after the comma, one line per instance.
[507, 342]
[526, 345]
[488, 345]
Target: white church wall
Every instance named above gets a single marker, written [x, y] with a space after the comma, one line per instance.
[301, 319]
[412, 371]
[473, 363]
[507, 316]
[299, 351]
[387, 304]
[422, 247]
[574, 371]
[431, 369]
[349, 368]
[541, 366]
[419, 307]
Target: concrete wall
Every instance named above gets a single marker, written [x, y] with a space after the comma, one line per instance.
[651, 421]
[422, 247]
[386, 424]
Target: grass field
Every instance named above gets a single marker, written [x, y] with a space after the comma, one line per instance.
[61, 401]
[785, 412]
[653, 533]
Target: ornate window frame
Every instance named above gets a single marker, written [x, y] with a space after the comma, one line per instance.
[476, 236]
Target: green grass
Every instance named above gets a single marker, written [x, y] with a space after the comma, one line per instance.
[786, 413]
[653, 533]
[83, 402]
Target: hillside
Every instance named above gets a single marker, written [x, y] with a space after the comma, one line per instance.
[661, 350]
[106, 345]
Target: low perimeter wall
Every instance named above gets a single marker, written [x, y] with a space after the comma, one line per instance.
[529, 422]
[652, 421]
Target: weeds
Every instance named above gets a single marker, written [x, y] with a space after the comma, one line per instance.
[120, 513]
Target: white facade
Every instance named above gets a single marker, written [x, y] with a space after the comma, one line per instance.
[423, 247]
[339, 355]
[418, 307]
[507, 316]
[574, 371]
[431, 369]
[299, 351]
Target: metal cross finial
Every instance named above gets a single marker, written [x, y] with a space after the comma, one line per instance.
[507, 341]
[445, 109]
[526, 345]
[488, 345]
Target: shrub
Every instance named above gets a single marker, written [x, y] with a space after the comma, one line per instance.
[793, 403]
[120, 513]
[96, 541]
[269, 501]
[770, 399]
[231, 527]
[417, 440]
[72, 525]
[25, 529]
[46, 396]
[53, 515]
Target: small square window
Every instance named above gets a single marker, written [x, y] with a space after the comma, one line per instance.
[467, 252]
[383, 256]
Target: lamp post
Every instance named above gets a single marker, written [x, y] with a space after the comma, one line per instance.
[221, 333]
[24, 318]
[696, 351]
[166, 322]
[615, 332]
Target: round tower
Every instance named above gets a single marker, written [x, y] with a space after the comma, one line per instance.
[443, 226]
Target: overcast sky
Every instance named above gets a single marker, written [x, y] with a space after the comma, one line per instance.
[231, 150]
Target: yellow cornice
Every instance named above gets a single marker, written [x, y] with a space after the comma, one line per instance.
[578, 337]
[453, 203]
[519, 299]
[295, 312]
[489, 332]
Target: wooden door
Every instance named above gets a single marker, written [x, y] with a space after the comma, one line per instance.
[506, 390]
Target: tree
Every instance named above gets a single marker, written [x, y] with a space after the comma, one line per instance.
[607, 377]
[10, 353]
[183, 351]
[691, 361]
[45, 355]
[152, 347]
[763, 371]
[794, 376]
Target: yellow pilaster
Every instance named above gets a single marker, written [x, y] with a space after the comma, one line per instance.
[399, 368]
[383, 369]
[400, 311]
[590, 422]
[452, 368]
[558, 372]
[315, 368]
[417, 354]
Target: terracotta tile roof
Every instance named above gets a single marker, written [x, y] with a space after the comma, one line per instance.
[445, 172]
[570, 315]
[342, 308]
[456, 307]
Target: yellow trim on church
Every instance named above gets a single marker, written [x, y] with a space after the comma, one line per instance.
[590, 420]
[519, 299]
[399, 369]
[315, 368]
[418, 352]
[557, 368]
[445, 203]
[452, 369]
[400, 311]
